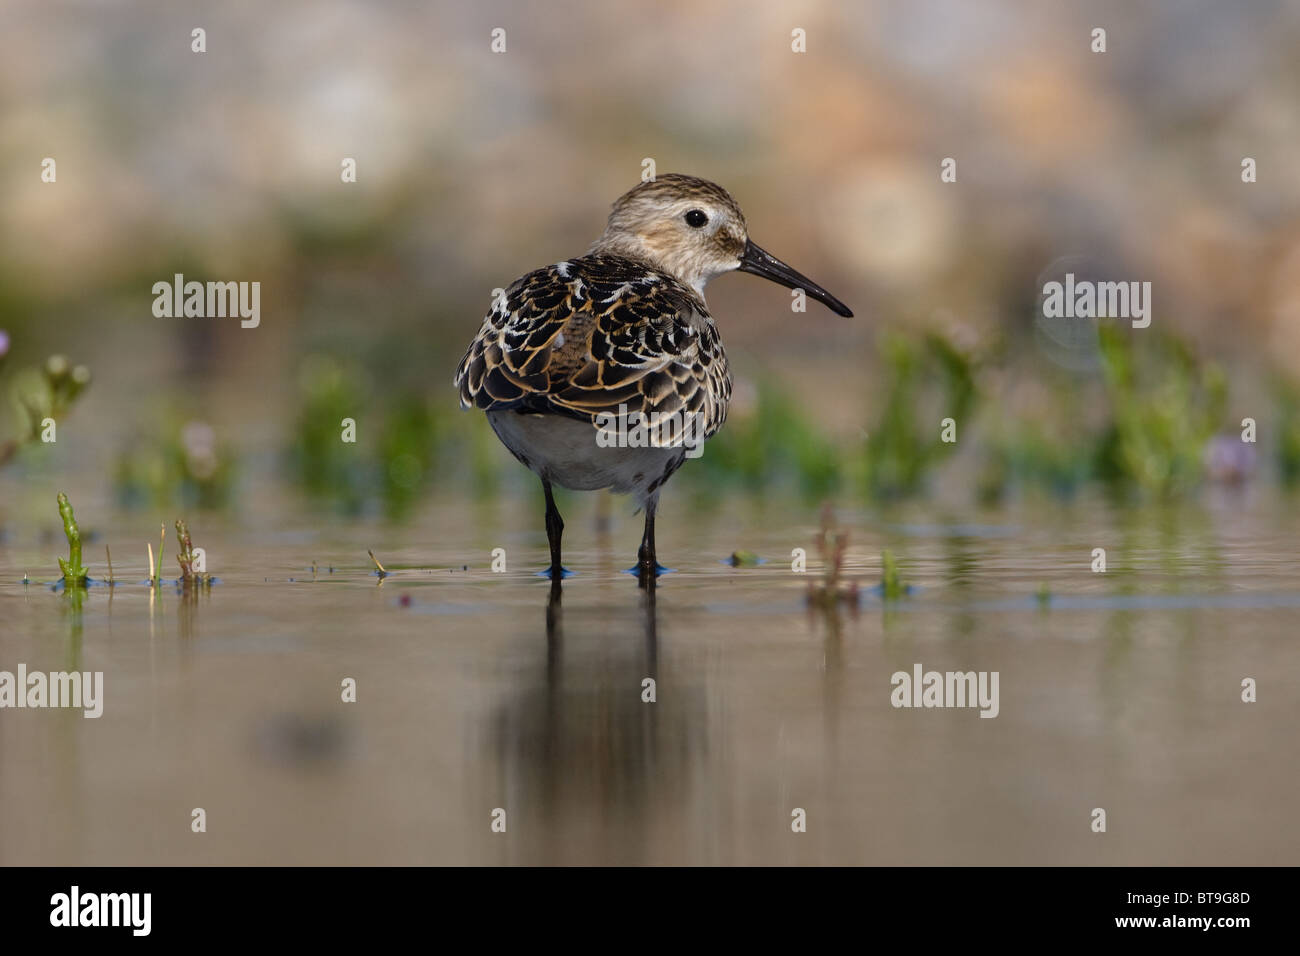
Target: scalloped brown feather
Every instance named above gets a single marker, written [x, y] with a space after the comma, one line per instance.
[585, 335]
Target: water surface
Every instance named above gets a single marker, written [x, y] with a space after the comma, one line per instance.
[475, 692]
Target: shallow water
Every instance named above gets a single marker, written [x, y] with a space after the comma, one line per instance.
[1121, 690]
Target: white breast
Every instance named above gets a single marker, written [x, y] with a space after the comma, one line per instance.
[564, 451]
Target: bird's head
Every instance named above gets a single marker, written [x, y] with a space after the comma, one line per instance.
[693, 230]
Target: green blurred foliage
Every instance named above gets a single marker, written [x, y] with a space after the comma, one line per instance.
[1140, 427]
[1288, 427]
[1048, 455]
[408, 451]
[1165, 404]
[180, 464]
[325, 466]
[926, 381]
[776, 447]
[48, 393]
[484, 454]
[395, 468]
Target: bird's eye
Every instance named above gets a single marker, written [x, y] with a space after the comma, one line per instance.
[696, 218]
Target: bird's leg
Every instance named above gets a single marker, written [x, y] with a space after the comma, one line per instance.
[554, 528]
[647, 565]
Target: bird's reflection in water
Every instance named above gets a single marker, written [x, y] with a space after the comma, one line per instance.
[590, 766]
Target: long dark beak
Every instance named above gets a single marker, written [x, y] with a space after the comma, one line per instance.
[768, 266]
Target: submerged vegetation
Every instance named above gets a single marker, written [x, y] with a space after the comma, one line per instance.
[892, 587]
[190, 575]
[833, 545]
[155, 569]
[76, 575]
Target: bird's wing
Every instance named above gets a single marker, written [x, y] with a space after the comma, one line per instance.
[584, 337]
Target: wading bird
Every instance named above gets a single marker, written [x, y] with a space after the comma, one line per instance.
[621, 336]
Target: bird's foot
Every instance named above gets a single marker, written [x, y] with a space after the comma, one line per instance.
[638, 570]
[548, 573]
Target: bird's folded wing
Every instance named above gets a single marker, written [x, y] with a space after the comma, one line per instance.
[598, 335]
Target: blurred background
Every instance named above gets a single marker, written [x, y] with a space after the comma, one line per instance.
[1121, 689]
[474, 167]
